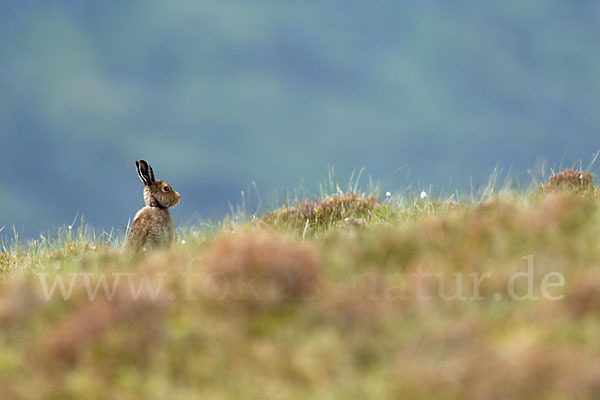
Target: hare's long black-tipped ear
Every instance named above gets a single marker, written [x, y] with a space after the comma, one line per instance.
[145, 172]
[151, 173]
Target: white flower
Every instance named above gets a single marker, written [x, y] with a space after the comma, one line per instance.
[183, 242]
[388, 194]
[70, 227]
[423, 195]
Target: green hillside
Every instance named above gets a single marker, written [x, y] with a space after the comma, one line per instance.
[340, 297]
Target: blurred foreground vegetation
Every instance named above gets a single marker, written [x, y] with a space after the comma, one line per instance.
[341, 297]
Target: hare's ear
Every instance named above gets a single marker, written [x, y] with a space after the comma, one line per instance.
[145, 172]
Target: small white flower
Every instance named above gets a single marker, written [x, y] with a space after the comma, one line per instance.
[347, 219]
[70, 227]
[423, 195]
[183, 242]
[388, 194]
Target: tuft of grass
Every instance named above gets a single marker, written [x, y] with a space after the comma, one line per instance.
[320, 214]
[570, 180]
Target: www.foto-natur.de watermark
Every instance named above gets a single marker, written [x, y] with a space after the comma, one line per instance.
[420, 285]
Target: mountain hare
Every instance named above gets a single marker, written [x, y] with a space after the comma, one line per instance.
[152, 225]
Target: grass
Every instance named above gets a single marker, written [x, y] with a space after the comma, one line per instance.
[343, 296]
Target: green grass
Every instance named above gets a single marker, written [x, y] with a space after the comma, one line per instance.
[344, 296]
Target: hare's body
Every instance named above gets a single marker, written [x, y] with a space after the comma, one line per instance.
[152, 225]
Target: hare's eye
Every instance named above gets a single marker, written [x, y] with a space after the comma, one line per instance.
[166, 189]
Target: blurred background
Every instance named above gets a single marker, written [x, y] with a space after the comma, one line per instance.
[218, 94]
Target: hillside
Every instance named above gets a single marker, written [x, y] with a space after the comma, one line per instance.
[341, 297]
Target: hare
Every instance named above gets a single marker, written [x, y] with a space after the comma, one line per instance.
[152, 225]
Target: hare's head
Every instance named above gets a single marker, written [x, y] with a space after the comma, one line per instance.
[157, 193]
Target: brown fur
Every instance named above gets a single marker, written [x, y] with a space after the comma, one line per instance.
[152, 225]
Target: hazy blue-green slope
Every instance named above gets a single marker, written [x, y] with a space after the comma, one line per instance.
[217, 95]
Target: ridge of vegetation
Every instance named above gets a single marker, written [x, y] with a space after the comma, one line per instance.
[342, 296]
